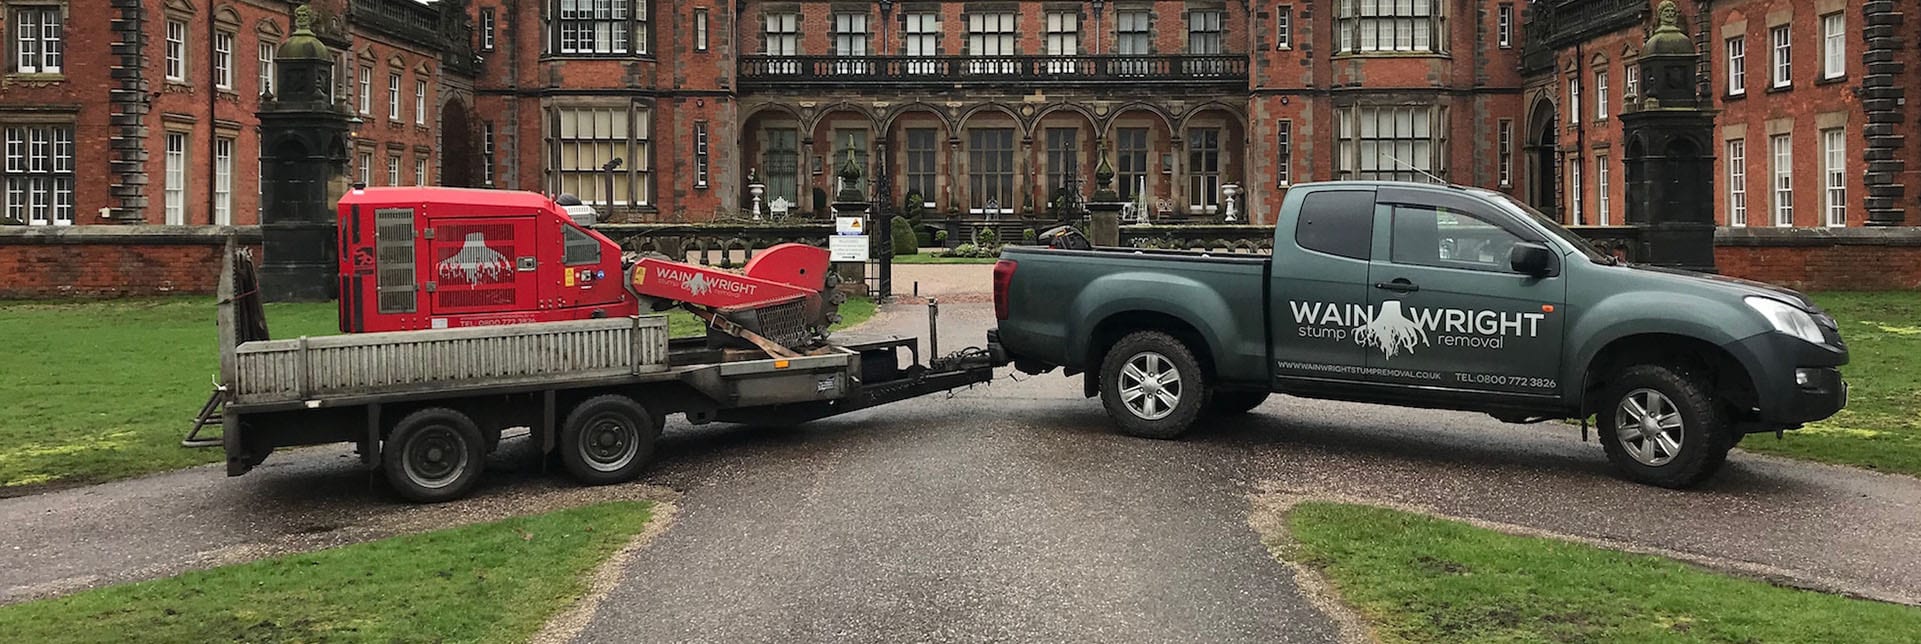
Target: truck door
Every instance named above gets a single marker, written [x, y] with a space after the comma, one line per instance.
[1447, 310]
[1319, 284]
[482, 268]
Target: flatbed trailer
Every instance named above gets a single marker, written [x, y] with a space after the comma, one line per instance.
[426, 406]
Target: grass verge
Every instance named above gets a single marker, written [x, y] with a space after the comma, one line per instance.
[495, 582]
[1421, 579]
[1881, 427]
[100, 390]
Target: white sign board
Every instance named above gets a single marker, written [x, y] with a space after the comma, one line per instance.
[847, 248]
[848, 226]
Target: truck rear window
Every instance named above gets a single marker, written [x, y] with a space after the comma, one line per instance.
[1337, 222]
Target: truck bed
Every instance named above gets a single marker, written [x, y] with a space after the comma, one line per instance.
[270, 372]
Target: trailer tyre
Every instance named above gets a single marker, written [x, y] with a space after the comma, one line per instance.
[608, 439]
[1660, 427]
[1152, 386]
[434, 455]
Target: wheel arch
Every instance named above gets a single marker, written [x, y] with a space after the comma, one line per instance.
[1729, 378]
[1109, 331]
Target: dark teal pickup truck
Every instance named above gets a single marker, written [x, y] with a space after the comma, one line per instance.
[1428, 296]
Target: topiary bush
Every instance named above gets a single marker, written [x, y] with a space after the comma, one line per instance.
[988, 238]
[940, 238]
[905, 243]
[1029, 237]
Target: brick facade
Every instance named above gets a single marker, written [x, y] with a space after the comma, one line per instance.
[188, 75]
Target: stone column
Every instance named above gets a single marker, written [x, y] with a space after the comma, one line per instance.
[304, 171]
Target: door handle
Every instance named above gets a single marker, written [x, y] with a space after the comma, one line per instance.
[1399, 285]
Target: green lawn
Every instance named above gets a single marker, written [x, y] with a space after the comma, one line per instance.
[1420, 579]
[1881, 427]
[493, 582]
[99, 390]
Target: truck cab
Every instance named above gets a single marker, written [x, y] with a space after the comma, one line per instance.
[1432, 296]
[432, 258]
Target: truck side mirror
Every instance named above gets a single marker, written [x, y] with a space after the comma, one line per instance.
[1530, 258]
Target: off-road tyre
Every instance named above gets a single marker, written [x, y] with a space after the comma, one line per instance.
[607, 439]
[1705, 433]
[434, 455]
[1227, 404]
[1153, 348]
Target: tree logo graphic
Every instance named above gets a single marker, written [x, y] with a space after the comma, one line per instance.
[698, 284]
[475, 260]
[1391, 331]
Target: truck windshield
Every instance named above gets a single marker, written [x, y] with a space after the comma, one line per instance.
[1580, 244]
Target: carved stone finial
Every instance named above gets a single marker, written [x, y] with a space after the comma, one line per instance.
[1670, 14]
[303, 18]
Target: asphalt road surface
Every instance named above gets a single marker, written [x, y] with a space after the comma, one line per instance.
[1009, 512]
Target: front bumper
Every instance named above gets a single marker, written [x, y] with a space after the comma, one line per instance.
[1795, 382]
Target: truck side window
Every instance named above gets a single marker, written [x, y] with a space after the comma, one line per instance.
[581, 248]
[1447, 238]
[1337, 222]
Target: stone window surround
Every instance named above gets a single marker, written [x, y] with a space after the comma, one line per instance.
[12, 52]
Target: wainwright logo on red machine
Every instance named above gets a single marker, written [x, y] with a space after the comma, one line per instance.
[476, 261]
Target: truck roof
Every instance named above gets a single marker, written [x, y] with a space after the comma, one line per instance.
[516, 199]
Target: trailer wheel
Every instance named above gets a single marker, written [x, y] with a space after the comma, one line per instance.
[1152, 386]
[1661, 428]
[433, 455]
[608, 439]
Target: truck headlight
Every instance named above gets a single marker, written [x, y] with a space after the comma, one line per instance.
[1787, 318]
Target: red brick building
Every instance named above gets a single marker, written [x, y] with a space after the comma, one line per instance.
[146, 116]
[1810, 96]
[122, 112]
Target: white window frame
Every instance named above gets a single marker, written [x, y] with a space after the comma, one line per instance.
[580, 147]
[39, 174]
[1505, 138]
[393, 169]
[1504, 25]
[1376, 26]
[853, 35]
[487, 25]
[420, 169]
[223, 59]
[177, 39]
[1573, 99]
[223, 181]
[393, 97]
[366, 90]
[1737, 164]
[600, 27]
[1782, 66]
[1834, 170]
[39, 38]
[921, 40]
[1579, 195]
[700, 29]
[1284, 153]
[992, 34]
[366, 168]
[1372, 142]
[487, 151]
[1737, 48]
[420, 102]
[1600, 94]
[1834, 37]
[1284, 27]
[1781, 150]
[1602, 201]
[1630, 82]
[265, 70]
[780, 37]
[176, 178]
[700, 154]
[1063, 39]
[1206, 32]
